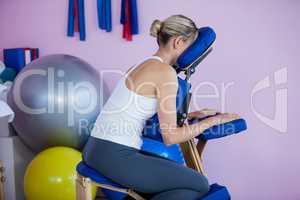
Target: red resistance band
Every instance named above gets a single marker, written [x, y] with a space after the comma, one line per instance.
[76, 17]
[127, 27]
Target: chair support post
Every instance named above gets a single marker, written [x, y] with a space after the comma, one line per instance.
[83, 188]
[191, 155]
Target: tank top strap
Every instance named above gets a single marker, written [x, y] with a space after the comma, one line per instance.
[156, 58]
[150, 57]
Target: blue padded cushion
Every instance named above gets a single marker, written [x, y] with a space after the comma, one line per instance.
[151, 129]
[222, 130]
[217, 192]
[94, 175]
[206, 37]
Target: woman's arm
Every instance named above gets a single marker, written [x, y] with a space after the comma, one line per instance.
[202, 113]
[166, 94]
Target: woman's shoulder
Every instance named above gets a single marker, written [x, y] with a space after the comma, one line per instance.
[162, 70]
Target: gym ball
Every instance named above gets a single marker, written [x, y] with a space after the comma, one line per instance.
[56, 100]
[157, 148]
[52, 175]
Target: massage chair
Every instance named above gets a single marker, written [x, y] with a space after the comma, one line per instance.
[185, 153]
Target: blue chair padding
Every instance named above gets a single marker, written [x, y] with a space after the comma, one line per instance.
[222, 130]
[94, 175]
[217, 192]
[206, 37]
[152, 129]
[113, 195]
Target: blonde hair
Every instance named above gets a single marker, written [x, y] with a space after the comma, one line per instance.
[176, 25]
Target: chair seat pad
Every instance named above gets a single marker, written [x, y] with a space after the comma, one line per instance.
[86, 171]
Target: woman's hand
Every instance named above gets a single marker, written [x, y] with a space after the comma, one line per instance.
[202, 113]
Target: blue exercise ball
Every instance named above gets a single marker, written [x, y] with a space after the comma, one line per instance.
[172, 152]
[56, 100]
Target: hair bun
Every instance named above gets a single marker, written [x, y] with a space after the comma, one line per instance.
[155, 28]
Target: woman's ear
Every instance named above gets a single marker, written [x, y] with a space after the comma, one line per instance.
[178, 42]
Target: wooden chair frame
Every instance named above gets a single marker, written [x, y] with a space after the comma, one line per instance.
[192, 156]
[84, 189]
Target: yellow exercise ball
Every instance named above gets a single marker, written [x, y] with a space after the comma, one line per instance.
[51, 175]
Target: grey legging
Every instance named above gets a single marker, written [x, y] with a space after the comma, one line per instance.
[158, 178]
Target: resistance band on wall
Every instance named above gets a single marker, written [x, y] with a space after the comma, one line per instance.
[76, 19]
[104, 15]
[129, 19]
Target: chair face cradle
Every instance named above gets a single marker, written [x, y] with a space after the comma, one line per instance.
[186, 63]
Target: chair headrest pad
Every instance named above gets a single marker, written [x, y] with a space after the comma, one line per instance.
[206, 37]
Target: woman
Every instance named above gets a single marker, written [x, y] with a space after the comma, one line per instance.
[148, 88]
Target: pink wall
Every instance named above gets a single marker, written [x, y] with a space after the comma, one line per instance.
[255, 39]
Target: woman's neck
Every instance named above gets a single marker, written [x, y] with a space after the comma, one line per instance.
[166, 56]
